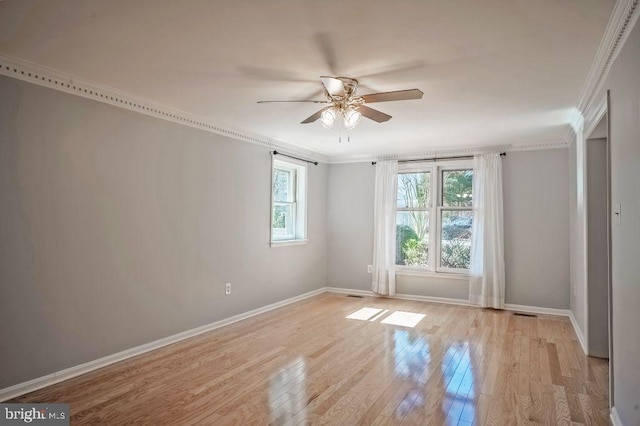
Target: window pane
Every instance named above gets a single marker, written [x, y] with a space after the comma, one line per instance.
[413, 190]
[282, 185]
[282, 220]
[457, 188]
[455, 243]
[412, 238]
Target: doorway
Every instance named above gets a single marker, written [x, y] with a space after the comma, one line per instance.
[598, 208]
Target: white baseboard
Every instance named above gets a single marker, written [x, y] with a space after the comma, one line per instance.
[444, 300]
[576, 328]
[450, 301]
[398, 296]
[350, 291]
[615, 419]
[59, 376]
[537, 310]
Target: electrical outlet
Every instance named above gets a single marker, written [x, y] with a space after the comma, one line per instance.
[227, 289]
[369, 269]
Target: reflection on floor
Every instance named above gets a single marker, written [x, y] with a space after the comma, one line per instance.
[411, 363]
[339, 360]
[287, 393]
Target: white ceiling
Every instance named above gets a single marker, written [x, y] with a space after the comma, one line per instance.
[493, 72]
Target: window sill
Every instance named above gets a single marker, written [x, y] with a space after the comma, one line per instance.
[285, 243]
[431, 274]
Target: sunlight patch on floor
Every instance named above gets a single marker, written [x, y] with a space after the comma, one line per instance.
[404, 319]
[364, 314]
[401, 318]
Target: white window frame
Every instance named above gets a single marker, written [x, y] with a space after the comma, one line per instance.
[299, 184]
[435, 209]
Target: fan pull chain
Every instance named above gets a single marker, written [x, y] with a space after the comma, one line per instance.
[340, 138]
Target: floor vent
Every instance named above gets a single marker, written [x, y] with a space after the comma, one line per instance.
[355, 295]
[522, 314]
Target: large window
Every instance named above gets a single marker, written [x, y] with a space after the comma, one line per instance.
[434, 214]
[288, 201]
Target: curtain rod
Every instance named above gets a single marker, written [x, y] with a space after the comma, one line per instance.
[315, 163]
[462, 157]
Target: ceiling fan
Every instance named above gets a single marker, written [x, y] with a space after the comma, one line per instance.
[343, 102]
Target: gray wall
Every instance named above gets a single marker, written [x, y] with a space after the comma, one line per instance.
[117, 229]
[350, 225]
[536, 228]
[536, 191]
[598, 273]
[624, 115]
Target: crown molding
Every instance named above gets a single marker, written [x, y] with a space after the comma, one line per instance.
[361, 158]
[559, 142]
[623, 18]
[57, 80]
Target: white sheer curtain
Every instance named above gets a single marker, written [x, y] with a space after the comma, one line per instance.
[486, 272]
[384, 232]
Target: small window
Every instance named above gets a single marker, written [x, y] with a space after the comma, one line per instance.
[288, 201]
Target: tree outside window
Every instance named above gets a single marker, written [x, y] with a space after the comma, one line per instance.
[453, 215]
[456, 218]
[412, 219]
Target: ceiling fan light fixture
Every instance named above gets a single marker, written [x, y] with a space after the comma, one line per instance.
[328, 117]
[351, 118]
[349, 108]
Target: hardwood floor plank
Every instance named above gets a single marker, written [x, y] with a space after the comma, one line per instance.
[536, 414]
[563, 416]
[554, 364]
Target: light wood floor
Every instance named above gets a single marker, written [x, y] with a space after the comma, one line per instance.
[308, 363]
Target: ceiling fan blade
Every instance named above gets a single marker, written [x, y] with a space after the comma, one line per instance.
[327, 50]
[334, 86]
[373, 114]
[314, 117]
[313, 101]
[393, 69]
[271, 74]
[399, 95]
